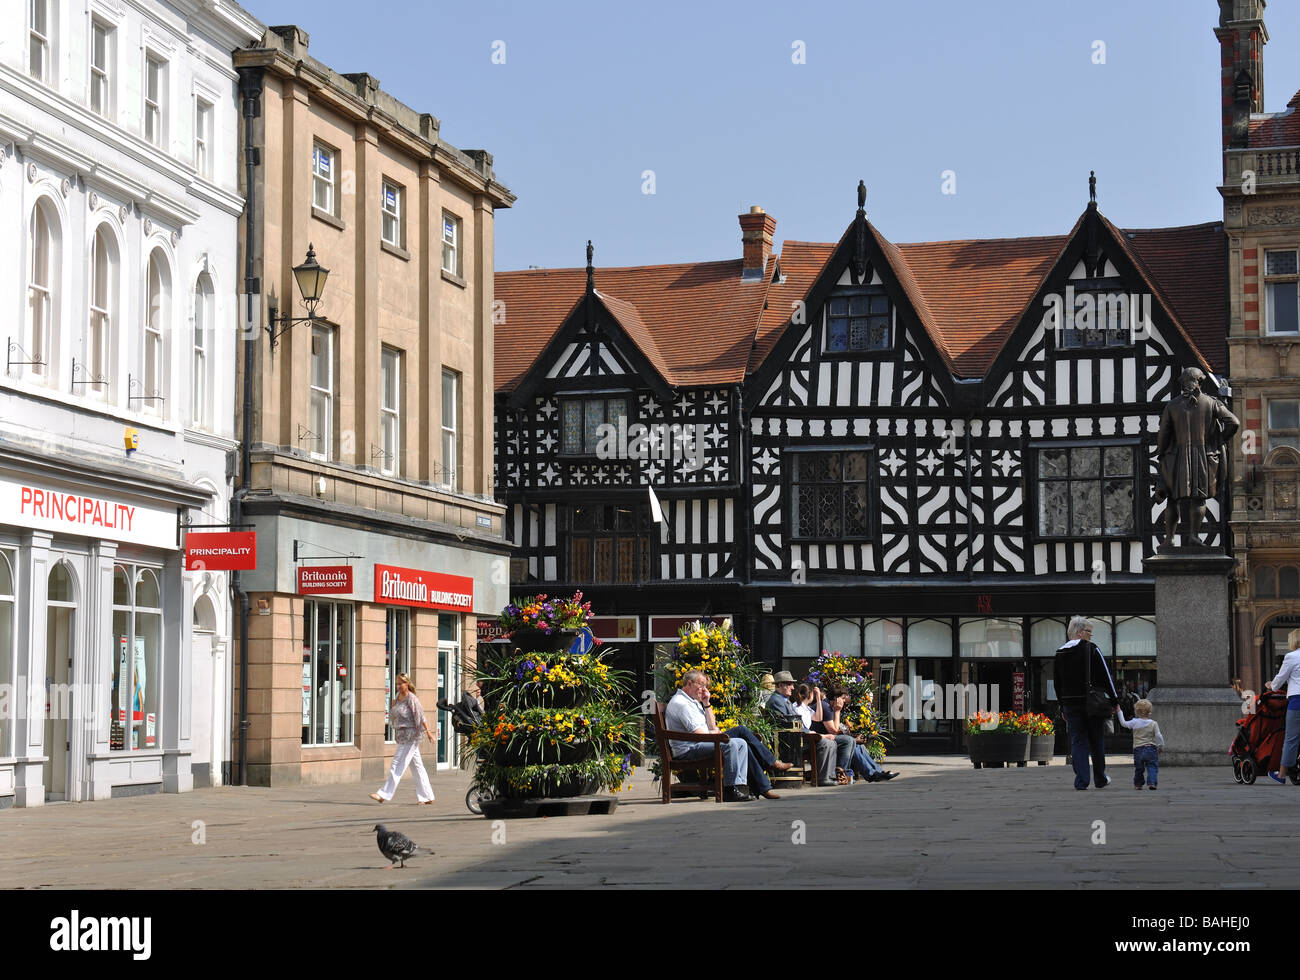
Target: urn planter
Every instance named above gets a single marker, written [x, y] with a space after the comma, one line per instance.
[1042, 748]
[531, 640]
[997, 749]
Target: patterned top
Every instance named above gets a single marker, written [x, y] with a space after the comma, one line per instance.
[406, 715]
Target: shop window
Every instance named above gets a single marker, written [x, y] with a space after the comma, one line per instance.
[609, 543]
[1265, 582]
[884, 639]
[1134, 666]
[1046, 637]
[448, 628]
[8, 603]
[929, 638]
[1135, 637]
[1101, 634]
[397, 658]
[844, 635]
[800, 640]
[1086, 492]
[991, 638]
[327, 675]
[1288, 582]
[828, 495]
[137, 650]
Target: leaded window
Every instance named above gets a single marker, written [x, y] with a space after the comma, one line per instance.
[1086, 491]
[828, 493]
[1100, 318]
[858, 321]
[609, 543]
[582, 420]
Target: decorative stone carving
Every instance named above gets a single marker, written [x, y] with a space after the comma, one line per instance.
[31, 173]
[65, 186]
[93, 200]
[1276, 215]
[175, 237]
[1284, 496]
[148, 227]
[121, 214]
[1232, 210]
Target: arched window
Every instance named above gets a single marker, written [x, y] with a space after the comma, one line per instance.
[1265, 586]
[157, 296]
[103, 311]
[42, 278]
[1288, 582]
[203, 317]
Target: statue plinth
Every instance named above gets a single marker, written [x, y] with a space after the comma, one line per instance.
[1194, 701]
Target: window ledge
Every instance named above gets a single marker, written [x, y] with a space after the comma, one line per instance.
[328, 218]
[454, 279]
[391, 249]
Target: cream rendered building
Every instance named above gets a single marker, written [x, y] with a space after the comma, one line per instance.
[370, 457]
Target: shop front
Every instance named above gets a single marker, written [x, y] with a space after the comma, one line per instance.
[933, 672]
[337, 614]
[95, 634]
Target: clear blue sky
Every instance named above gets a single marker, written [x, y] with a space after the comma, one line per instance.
[706, 95]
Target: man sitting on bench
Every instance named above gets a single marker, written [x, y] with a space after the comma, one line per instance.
[743, 758]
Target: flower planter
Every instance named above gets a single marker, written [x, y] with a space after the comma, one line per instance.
[1042, 748]
[532, 640]
[526, 752]
[996, 749]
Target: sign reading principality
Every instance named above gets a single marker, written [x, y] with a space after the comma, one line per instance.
[426, 590]
[35, 505]
[325, 580]
[222, 552]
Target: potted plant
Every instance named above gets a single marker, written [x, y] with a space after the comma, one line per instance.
[1042, 737]
[996, 739]
[860, 714]
[715, 649]
[538, 623]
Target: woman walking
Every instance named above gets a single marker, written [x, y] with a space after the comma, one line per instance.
[407, 717]
[1288, 679]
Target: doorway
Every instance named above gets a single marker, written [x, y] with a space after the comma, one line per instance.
[60, 613]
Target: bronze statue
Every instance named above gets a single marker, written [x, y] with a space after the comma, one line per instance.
[1192, 453]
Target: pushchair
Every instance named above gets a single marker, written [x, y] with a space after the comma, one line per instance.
[1257, 749]
[465, 717]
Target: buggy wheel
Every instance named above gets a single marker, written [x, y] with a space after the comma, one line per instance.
[1236, 769]
[1248, 773]
[475, 798]
[1294, 776]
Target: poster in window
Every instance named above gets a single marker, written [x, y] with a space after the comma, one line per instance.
[141, 681]
[306, 689]
[150, 730]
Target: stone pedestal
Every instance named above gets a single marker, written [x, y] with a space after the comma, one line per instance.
[1195, 705]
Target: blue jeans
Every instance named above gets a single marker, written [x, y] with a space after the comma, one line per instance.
[1292, 743]
[863, 765]
[760, 757]
[735, 759]
[1085, 741]
[1145, 759]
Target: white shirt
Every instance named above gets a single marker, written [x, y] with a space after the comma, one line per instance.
[805, 713]
[684, 714]
[1139, 726]
[1288, 674]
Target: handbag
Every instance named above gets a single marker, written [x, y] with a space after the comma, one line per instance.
[1096, 701]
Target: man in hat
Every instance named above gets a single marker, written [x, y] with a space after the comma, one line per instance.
[779, 706]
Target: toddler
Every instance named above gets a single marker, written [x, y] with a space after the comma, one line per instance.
[1146, 741]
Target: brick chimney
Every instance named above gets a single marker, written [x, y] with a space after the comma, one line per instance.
[756, 229]
[1242, 37]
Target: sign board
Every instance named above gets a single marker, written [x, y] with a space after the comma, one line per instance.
[221, 552]
[489, 630]
[614, 628]
[584, 642]
[1018, 690]
[40, 506]
[424, 590]
[666, 627]
[325, 580]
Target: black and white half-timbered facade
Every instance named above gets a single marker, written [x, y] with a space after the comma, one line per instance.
[935, 455]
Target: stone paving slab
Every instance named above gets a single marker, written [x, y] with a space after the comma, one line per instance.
[941, 824]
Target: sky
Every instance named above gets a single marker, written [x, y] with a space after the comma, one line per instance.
[787, 105]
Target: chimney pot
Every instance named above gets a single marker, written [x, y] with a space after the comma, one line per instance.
[756, 231]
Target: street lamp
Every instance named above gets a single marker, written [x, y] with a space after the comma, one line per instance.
[310, 276]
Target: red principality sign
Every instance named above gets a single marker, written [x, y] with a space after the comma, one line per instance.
[224, 551]
[426, 590]
[325, 580]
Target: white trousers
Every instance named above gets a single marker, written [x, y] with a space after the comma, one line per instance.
[406, 755]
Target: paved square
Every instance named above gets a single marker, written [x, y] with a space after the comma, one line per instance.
[940, 824]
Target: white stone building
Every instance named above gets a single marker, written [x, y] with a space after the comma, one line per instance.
[119, 202]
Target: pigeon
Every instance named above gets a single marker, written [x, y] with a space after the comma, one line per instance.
[396, 846]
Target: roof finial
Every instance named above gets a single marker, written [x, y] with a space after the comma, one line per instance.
[1092, 187]
[862, 195]
[591, 272]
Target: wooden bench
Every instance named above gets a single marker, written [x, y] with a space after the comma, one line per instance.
[807, 742]
[668, 765]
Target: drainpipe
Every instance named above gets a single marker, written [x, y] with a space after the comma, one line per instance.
[250, 90]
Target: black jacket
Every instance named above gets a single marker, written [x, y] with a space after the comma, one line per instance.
[1071, 687]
